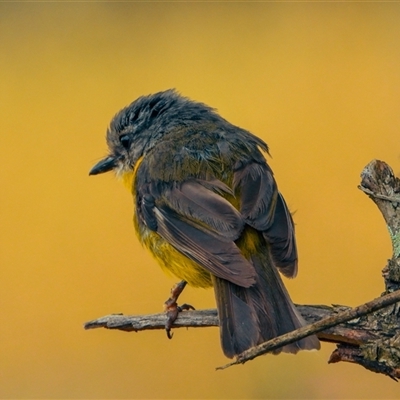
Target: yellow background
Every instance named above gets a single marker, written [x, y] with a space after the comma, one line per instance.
[320, 82]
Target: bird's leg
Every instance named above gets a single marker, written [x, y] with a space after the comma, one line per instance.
[171, 307]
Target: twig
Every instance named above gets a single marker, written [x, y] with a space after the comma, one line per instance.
[379, 196]
[319, 326]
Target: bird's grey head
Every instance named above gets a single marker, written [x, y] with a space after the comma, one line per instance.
[138, 127]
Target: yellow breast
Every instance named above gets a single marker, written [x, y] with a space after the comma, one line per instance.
[171, 260]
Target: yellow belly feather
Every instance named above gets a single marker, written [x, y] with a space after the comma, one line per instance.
[171, 260]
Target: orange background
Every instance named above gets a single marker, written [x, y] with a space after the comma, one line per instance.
[320, 82]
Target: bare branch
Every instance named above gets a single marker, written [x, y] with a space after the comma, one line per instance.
[344, 333]
[354, 332]
[186, 319]
[319, 326]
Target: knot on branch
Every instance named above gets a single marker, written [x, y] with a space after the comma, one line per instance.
[385, 352]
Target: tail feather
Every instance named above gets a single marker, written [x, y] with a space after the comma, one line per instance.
[251, 316]
[240, 329]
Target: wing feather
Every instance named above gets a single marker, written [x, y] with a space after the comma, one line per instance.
[263, 208]
[223, 259]
[201, 224]
[206, 209]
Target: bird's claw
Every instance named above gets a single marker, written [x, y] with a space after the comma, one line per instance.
[172, 309]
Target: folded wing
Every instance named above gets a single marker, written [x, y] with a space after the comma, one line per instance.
[201, 224]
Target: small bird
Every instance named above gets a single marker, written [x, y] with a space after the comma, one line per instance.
[207, 206]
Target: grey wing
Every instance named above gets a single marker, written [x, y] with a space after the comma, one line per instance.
[264, 208]
[202, 225]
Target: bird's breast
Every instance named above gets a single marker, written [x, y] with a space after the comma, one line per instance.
[170, 259]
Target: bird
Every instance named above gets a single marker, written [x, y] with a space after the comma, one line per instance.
[207, 207]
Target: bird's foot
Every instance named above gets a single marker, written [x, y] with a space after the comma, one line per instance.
[172, 309]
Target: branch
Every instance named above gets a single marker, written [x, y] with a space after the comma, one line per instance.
[331, 326]
[343, 333]
[380, 184]
[128, 323]
[319, 326]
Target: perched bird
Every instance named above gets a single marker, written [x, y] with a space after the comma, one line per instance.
[208, 208]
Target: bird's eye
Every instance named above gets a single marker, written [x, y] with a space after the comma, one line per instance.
[125, 140]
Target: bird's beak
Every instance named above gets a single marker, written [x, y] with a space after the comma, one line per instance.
[105, 165]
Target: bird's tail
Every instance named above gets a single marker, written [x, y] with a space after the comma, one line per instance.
[251, 316]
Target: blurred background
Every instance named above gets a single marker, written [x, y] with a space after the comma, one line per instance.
[319, 82]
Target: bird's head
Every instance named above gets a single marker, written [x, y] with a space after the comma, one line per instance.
[138, 127]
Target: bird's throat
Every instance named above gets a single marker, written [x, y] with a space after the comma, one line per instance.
[127, 177]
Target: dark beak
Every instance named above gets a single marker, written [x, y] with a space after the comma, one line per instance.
[105, 165]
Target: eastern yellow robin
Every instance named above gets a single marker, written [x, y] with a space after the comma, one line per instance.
[208, 208]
